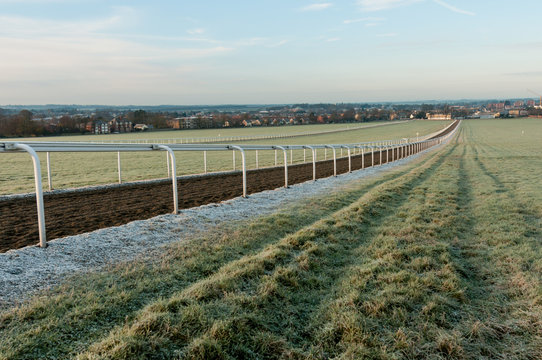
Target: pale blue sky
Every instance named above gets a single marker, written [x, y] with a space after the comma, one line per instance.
[216, 52]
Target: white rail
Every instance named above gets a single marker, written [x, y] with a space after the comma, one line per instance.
[404, 148]
[226, 139]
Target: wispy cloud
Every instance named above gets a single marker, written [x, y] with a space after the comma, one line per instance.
[68, 51]
[251, 41]
[24, 26]
[280, 43]
[453, 8]
[377, 5]
[365, 19]
[196, 31]
[316, 7]
[333, 39]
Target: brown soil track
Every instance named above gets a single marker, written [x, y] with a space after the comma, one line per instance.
[82, 211]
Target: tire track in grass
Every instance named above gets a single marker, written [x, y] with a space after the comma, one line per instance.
[504, 262]
[65, 320]
[262, 304]
[404, 293]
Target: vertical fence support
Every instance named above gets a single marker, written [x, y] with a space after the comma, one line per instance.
[173, 175]
[244, 167]
[257, 162]
[285, 164]
[304, 155]
[118, 166]
[49, 179]
[372, 156]
[349, 158]
[313, 160]
[334, 159]
[233, 159]
[167, 162]
[276, 158]
[291, 156]
[205, 161]
[380, 159]
[39, 191]
[362, 157]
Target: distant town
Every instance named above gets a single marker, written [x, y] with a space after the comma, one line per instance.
[48, 120]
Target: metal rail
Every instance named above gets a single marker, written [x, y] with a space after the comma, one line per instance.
[403, 147]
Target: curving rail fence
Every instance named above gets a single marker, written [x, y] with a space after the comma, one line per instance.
[364, 154]
[226, 139]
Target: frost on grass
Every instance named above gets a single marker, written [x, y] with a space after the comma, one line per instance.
[27, 270]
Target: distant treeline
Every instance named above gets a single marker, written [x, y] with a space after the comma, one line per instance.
[25, 124]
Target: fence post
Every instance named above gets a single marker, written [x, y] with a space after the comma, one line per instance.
[205, 161]
[49, 179]
[285, 164]
[362, 157]
[380, 160]
[167, 161]
[275, 157]
[173, 175]
[349, 158]
[244, 167]
[313, 160]
[257, 163]
[118, 166]
[387, 153]
[39, 191]
[334, 159]
[233, 152]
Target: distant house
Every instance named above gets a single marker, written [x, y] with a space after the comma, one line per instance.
[488, 115]
[118, 124]
[101, 127]
[484, 115]
[439, 116]
[140, 127]
[188, 122]
[518, 113]
[174, 123]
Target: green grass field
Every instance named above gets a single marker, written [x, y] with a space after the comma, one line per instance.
[81, 169]
[437, 259]
[202, 133]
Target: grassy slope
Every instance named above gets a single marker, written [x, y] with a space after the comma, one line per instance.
[437, 261]
[80, 169]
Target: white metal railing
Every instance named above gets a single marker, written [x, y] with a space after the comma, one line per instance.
[403, 148]
[227, 139]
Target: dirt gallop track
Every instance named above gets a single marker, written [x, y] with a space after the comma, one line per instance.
[81, 211]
